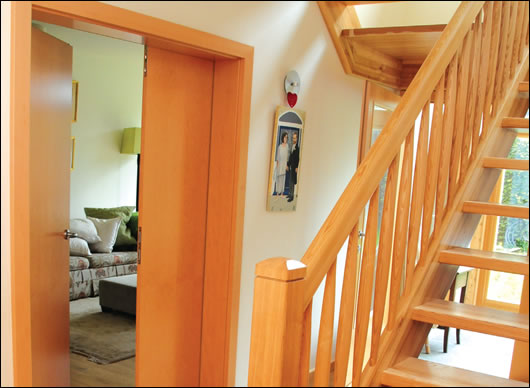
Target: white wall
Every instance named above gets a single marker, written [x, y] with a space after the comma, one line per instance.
[285, 35]
[406, 13]
[7, 355]
[110, 75]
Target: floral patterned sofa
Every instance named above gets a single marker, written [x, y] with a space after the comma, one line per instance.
[86, 272]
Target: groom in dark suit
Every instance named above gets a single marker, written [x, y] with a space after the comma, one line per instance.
[292, 166]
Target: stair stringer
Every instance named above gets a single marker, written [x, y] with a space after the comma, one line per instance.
[407, 339]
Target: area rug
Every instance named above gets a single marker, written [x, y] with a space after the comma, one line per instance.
[102, 337]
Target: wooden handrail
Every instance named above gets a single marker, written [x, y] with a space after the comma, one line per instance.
[322, 252]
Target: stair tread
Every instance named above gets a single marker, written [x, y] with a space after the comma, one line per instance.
[523, 87]
[514, 122]
[473, 318]
[495, 209]
[505, 163]
[413, 372]
[496, 261]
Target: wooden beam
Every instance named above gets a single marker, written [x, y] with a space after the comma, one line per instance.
[337, 17]
[393, 30]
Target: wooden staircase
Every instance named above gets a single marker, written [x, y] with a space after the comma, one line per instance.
[413, 372]
[475, 81]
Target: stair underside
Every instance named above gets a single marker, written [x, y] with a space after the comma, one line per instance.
[505, 163]
[413, 372]
[496, 261]
[473, 318]
[389, 55]
[495, 209]
[408, 43]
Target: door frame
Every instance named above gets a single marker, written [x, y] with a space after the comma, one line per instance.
[233, 64]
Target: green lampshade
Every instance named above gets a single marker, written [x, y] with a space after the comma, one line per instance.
[131, 140]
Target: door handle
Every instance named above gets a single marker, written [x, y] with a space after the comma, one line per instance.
[68, 234]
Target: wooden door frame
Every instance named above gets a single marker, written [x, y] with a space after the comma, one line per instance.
[233, 64]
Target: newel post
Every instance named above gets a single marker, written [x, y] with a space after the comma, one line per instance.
[277, 318]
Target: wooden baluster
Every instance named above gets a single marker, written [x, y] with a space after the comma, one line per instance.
[347, 309]
[506, 7]
[305, 353]
[325, 334]
[445, 156]
[433, 163]
[484, 63]
[472, 95]
[384, 255]
[524, 32]
[277, 321]
[510, 44]
[365, 289]
[492, 66]
[527, 31]
[517, 37]
[418, 195]
[402, 221]
[461, 100]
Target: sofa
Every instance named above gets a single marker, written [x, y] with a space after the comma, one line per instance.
[86, 272]
[104, 247]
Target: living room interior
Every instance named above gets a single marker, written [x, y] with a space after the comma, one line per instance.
[107, 108]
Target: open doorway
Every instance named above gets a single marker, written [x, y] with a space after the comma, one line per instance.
[164, 241]
[107, 106]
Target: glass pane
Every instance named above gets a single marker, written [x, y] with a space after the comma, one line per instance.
[505, 287]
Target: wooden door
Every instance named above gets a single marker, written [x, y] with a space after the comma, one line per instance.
[379, 103]
[176, 124]
[49, 171]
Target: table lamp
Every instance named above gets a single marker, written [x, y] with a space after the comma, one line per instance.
[130, 144]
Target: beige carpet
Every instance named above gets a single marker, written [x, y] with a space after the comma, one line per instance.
[102, 337]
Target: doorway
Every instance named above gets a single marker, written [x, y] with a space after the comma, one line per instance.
[224, 196]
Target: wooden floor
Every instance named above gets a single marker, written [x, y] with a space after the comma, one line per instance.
[84, 373]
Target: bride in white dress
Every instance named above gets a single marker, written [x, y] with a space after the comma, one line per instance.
[282, 154]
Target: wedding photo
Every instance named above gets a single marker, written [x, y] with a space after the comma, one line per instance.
[285, 160]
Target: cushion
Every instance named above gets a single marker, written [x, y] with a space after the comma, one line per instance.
[98, 260]
[133, 225]
[79, 247]
[85, 229]
[124, 212]
[77, 262]
[107, 231]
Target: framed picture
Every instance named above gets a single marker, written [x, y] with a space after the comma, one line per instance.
[75, 95]
[286, 159]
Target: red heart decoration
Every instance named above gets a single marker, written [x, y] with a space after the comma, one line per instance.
[291, 99]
